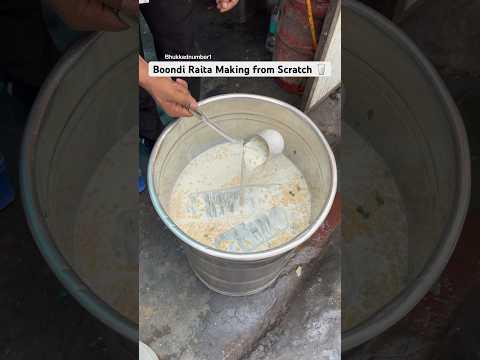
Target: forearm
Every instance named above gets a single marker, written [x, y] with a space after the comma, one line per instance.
[142, 73]
[172, 96]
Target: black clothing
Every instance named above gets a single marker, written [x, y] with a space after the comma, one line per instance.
[171, 23]
[29, 52]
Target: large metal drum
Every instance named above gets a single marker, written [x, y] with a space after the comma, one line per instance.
[242, 116]
[397, 103]
[79, 175]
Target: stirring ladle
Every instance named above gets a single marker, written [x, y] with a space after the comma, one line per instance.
[268, 142]
[271, 139]
[205, 119]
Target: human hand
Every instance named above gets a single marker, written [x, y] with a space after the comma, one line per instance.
[226, 5]
[173, 96]
[129, 7]
[94, 15]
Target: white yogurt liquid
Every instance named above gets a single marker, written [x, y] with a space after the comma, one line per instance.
[208, 205]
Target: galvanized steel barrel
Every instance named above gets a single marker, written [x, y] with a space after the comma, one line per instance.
[86, 106]
[242, 116]
[396, 101]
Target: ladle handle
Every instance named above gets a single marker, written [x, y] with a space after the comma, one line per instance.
[205, 119]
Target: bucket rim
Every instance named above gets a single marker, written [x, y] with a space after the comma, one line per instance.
[260, 255]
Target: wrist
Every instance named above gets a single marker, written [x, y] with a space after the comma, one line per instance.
[143, 78]
[145, 82]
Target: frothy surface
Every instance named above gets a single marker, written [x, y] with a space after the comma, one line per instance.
[205, 202]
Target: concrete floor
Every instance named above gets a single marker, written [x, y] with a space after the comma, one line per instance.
[182, 319]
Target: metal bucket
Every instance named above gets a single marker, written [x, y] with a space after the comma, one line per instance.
[243, 116]
[397, 103]
[76, 120]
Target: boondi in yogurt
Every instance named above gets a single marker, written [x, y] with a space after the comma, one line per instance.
[208, 205]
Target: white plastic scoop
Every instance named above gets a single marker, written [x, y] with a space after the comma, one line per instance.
[145, 352]
[261, 147]
[258, 149]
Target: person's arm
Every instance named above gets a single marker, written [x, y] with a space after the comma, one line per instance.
[90, 15]
[226, 5]
[172, 96]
